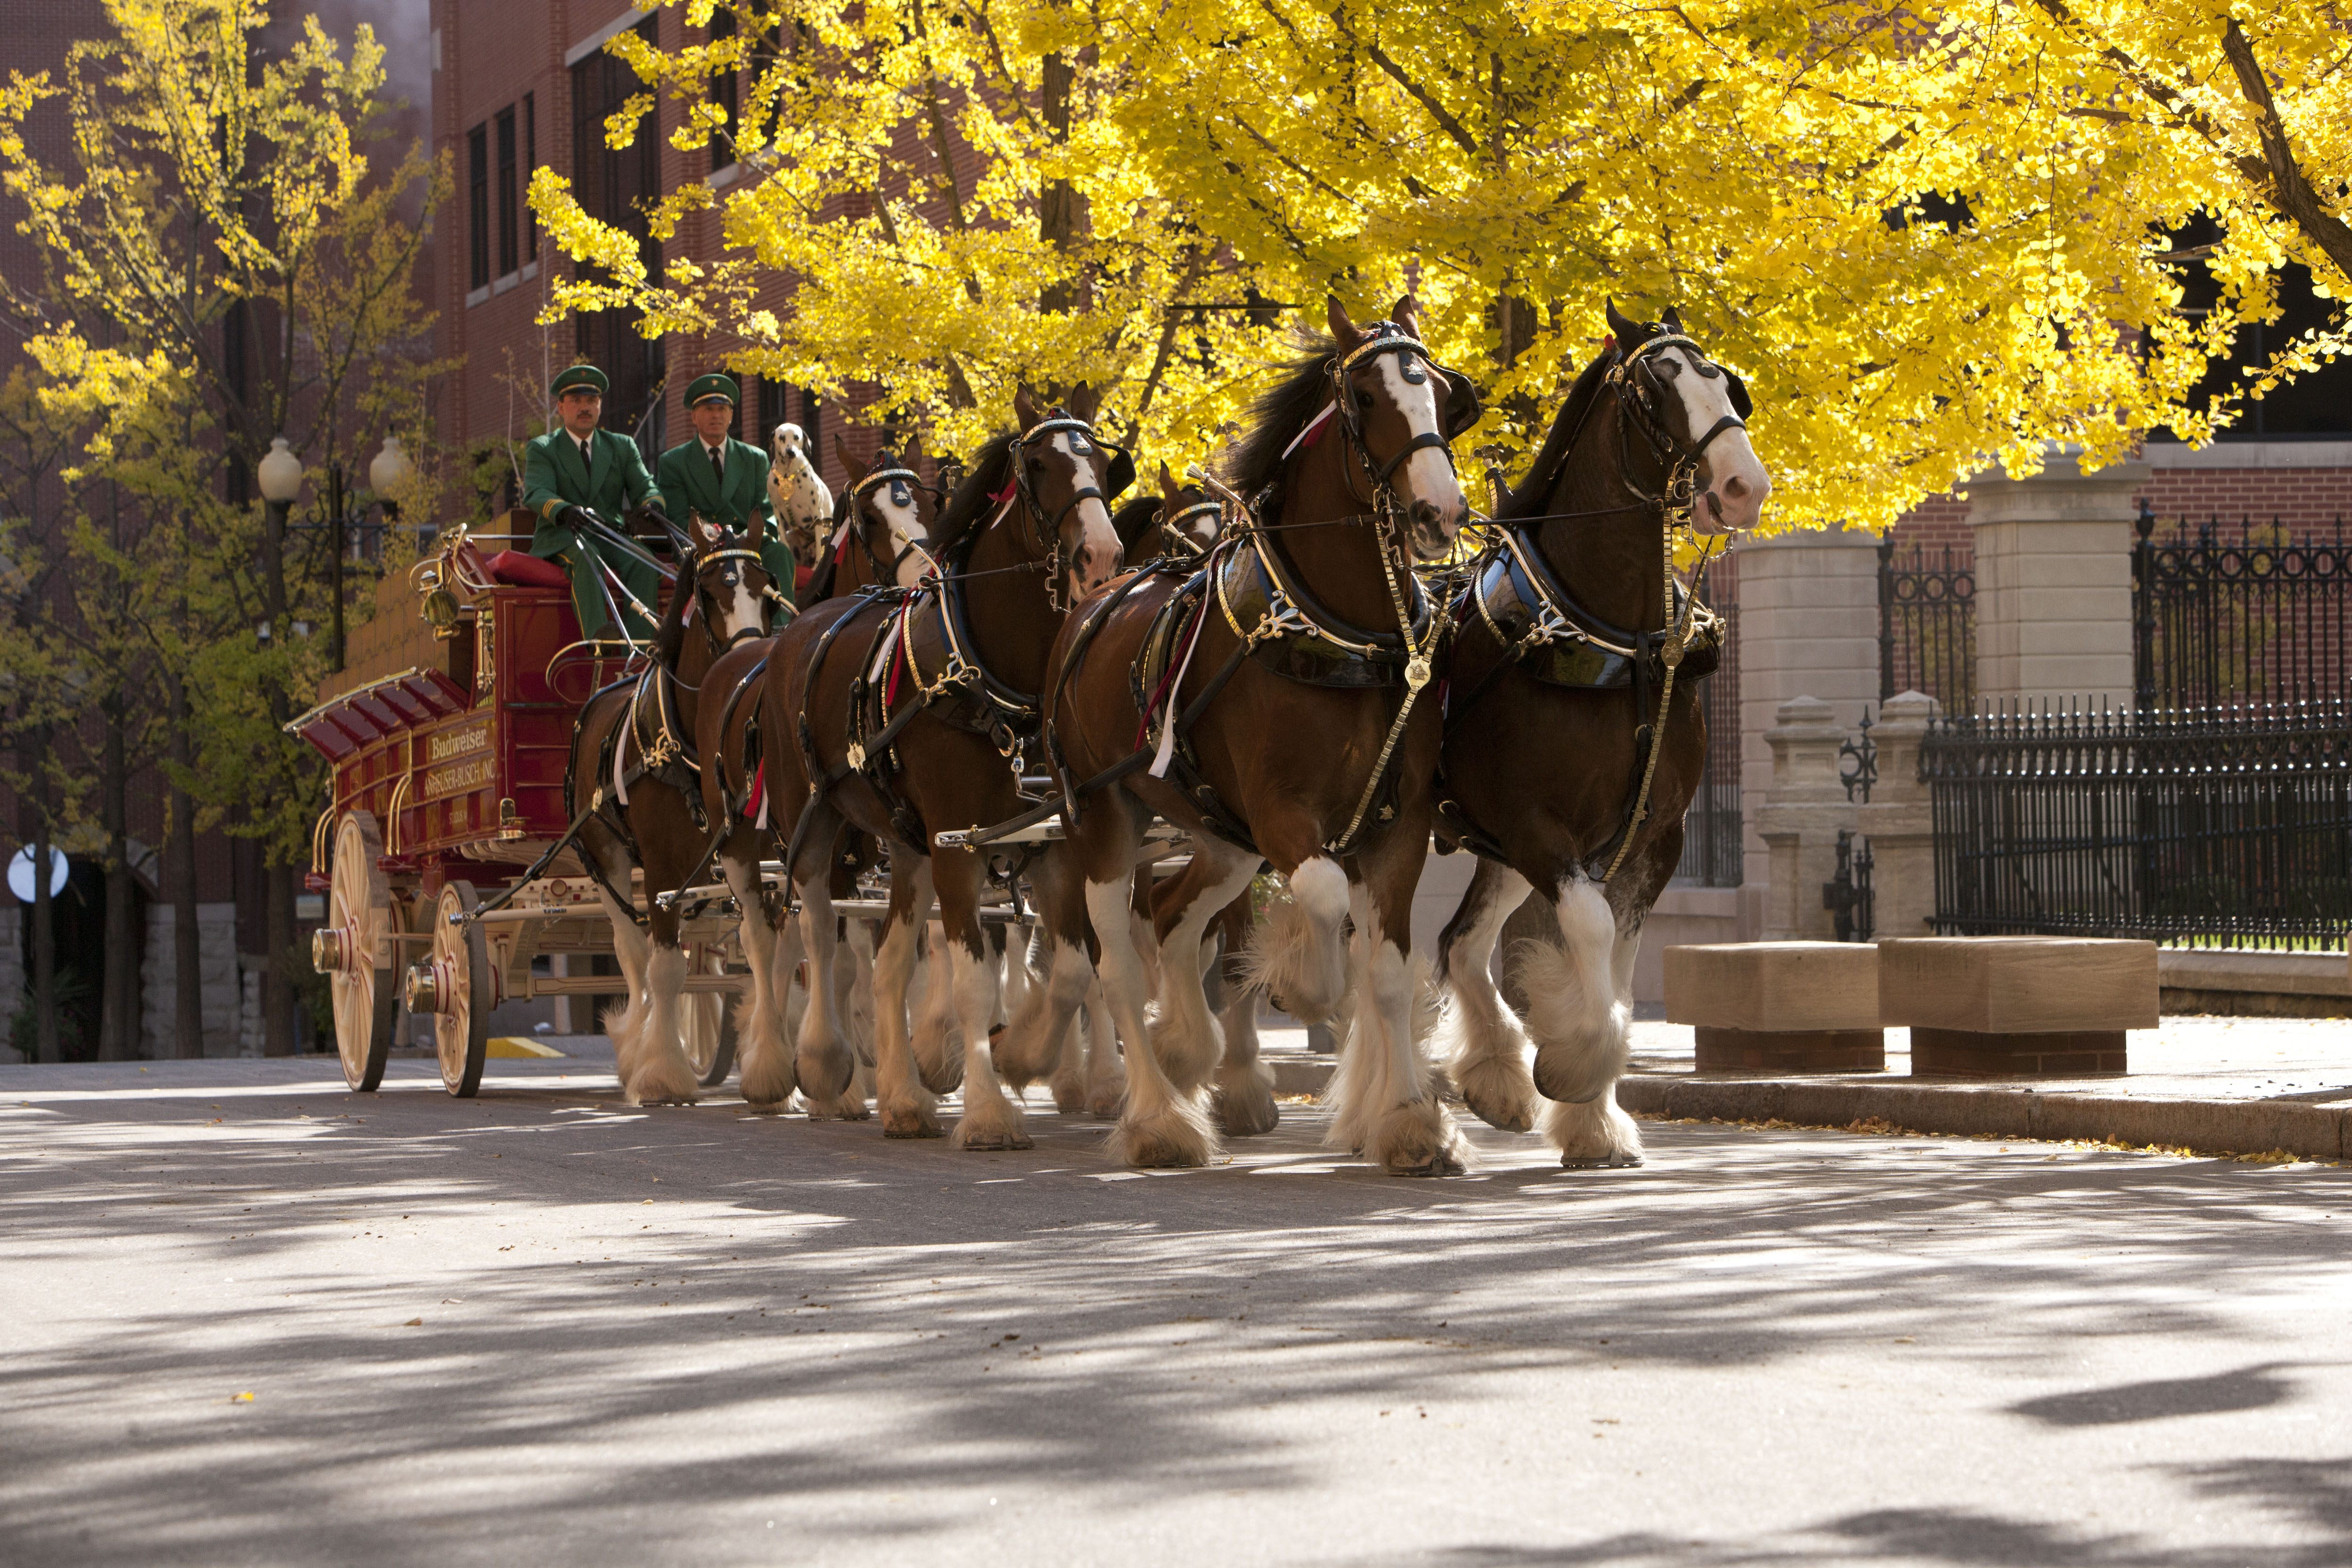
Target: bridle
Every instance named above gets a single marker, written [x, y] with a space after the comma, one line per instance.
[903, 483]
[1171, 528]
[1046, 531]
[1638, 397]
[730, 576]
[1388, 337]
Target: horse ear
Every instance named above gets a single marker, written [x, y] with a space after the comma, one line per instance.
[1627, 332]
[1084, 402]
[1673, 321]
[702, 531]
[849, 465]
[1407, 315]
[913, 455]
[1024, 405]
[1343, 328]
[1168, 489]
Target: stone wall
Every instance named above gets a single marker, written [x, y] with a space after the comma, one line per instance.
[223, 986]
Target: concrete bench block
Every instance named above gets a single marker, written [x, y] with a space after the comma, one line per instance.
[2017, 1007]
[1778, 1007]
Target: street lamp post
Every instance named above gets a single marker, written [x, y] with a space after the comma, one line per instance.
[280, 476]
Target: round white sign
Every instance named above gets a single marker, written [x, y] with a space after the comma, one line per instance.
[20, 873]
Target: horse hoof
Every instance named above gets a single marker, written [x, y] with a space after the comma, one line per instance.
[996, 1140]
[1439, 1164]
[909, 1124]
[1069, 1102]
[1612, 1162]
[1500, 1093]
[1108, 1106]
[1246, 1112]
[1162, 1154]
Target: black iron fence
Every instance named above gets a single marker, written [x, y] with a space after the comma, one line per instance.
[1927, 626]
[1713, 856]
[2249, 614]
[2229, 826]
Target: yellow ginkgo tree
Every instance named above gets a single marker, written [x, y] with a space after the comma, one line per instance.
[1934, 239]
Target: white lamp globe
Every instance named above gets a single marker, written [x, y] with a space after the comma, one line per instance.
[281, 472]
[391, 468]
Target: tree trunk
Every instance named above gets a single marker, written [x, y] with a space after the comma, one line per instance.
[45, 954]
[276, 994]
[1059, 220]
[118, 1024]
[187, 943]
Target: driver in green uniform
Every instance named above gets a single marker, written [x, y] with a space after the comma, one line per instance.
[723, 481]
[578, 466]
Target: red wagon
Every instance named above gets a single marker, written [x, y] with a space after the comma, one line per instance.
[447, 745]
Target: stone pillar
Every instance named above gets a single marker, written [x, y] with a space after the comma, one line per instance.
[2054, 582]
[1899, 823]
[1799, 819]
[1807, 627]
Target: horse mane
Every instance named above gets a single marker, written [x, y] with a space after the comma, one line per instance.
[1278, 414]
[669, 637]
[1134, 519]
[1532, 494]
[972, 504]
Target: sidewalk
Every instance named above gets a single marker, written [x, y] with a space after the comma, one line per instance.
[2216, 1085]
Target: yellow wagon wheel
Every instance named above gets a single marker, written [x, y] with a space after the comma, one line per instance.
[457, 988]
[354, 951]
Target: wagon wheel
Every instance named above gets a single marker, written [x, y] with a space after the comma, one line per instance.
[354, 951]
[707, 1024]
[464, 992]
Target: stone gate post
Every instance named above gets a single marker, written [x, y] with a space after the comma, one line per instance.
[1898, 823]
[2053, 582]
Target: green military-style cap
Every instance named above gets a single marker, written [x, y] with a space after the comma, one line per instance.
[586, 375]
[703, 388]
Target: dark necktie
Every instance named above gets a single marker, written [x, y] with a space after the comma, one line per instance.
[717, 464]
[587, 456]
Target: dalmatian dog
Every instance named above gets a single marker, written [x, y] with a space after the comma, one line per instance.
[803, 505]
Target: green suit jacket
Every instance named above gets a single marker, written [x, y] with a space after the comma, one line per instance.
[552, 479]
[688, 486]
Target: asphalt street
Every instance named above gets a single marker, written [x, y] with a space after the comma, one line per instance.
[248, 1317]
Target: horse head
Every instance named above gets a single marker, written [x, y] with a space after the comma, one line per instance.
[1068, 476]
[803, 505]
[889, 512]
[1401, 410]
[1187, 517]
[731, 584]
[1700, 409]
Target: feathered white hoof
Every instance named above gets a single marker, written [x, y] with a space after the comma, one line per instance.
[1244, 1103]
[993, 1124]
[847, 1106]
[1498, 1091]
[1595, 1135]
[939, 1057]
[1418, 1140]
[1023, 1052]
[768, 1077]
[827, 1068]
[1108, 1098]
[914, 1116]
[666, 1078]
[1187, 1055]
[1176, 1136]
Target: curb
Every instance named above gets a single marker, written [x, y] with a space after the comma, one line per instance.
[2206, 1126]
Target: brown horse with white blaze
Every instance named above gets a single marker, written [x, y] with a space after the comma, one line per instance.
[1574, 738]
[1282, 715]
[881, 539]
[633, 759]
[904, 715]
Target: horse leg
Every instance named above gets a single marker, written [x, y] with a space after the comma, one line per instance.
[1243, 1100]
[936, 1045]
[907, 1105]
[853, 990]
[624, 1024]
[1106, 1080]
[661, 1074]
[1158, 1125]
[761, 1016]
[1579, 1014]
[1295, 956]
[1187, 1039]
[1485, 1048]
[1068, 983]
[1392, 1111]
[990, 1119]
[828, 1068]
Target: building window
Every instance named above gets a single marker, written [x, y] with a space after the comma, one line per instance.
[478, 205]
[772, 396]
[723, 94]
[813, 426]
[508, 261]
[529, 163]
